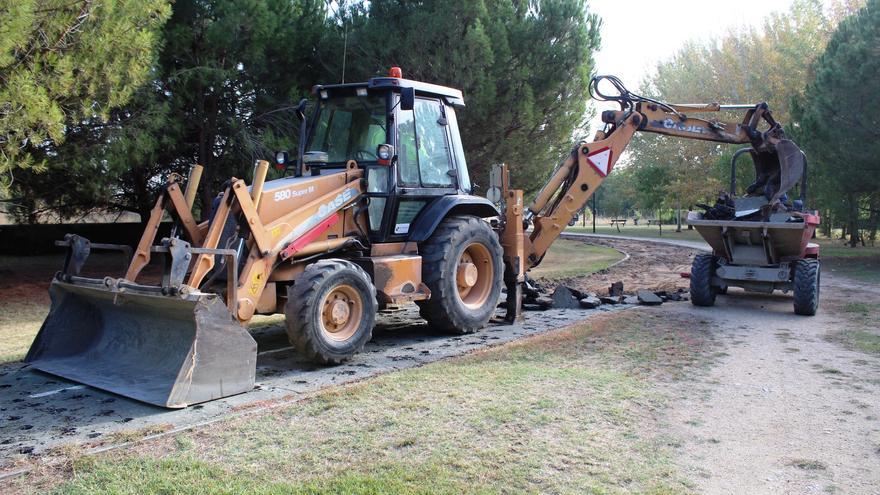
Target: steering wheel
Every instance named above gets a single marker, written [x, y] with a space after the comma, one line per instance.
[366, 155]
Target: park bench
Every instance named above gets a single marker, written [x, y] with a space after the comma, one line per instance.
[617, 222]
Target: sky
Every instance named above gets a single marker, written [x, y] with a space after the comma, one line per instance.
[637, 34]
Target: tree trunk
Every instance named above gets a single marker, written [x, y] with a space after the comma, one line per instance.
[678, 215]
[826, 224]
[853, 220]
[873, 217]
[32, 217]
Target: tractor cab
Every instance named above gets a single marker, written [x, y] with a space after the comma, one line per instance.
[403, 133]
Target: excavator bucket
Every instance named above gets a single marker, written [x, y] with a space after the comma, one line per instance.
[171, 351]
[792, 163]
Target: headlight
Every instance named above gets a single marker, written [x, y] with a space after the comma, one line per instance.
[281, 159]
[384, 152]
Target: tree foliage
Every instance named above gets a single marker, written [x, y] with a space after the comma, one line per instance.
[229, 73]
[838, 119]
[523, 66]
[771, 63]
[63, 62]
[224, 85]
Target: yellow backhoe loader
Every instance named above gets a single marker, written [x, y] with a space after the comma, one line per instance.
[376, 212]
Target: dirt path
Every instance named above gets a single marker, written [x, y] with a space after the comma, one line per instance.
[650, 266]
[785, 410]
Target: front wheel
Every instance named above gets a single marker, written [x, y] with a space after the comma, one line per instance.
[462, 266]
[806, 287]
[330, 311]
[702, 271]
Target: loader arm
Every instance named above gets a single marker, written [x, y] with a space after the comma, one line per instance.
[579, 175]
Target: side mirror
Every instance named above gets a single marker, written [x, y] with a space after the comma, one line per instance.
[407, 98]
[301, 109]
[384, 153]
[282, 159]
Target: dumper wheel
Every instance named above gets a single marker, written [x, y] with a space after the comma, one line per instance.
[330, 311]
[806, 287]
[702, 270]
[462, 266]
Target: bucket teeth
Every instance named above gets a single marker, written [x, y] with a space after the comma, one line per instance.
[162, 350]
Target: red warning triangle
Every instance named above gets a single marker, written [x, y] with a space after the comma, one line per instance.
[601, 160]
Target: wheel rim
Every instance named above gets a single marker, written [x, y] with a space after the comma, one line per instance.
[474, 275]
[342, 310]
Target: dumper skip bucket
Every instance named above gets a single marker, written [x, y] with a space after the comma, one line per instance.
[169, 351]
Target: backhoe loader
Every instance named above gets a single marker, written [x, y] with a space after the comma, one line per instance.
[376, 211]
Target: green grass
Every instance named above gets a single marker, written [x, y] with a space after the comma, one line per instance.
[568, 259]
[575, 411]
[862, 328]
[187, 475]
[19, 323]
[859, 263]
[640, 231]
[837, 248]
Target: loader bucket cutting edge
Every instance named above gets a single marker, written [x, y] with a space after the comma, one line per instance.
[162, 350]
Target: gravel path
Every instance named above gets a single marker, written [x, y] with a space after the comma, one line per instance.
[784, 410]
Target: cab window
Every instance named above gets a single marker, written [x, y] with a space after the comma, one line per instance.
[407, 156]
[424, 156]
[350, 128]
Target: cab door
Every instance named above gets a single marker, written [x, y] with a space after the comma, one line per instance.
[425, 162]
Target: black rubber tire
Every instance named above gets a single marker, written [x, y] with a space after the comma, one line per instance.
[445, 311]
[806, 286]
[702, 270]
[303, 310]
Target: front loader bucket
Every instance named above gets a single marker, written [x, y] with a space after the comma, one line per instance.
[163, 350]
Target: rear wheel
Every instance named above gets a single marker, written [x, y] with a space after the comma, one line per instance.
[702, 271]
[330, 311]
[806, 287]
[462, 266]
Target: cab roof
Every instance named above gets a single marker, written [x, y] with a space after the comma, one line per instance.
[452, 96]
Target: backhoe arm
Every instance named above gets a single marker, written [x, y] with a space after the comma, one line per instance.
[575, 180]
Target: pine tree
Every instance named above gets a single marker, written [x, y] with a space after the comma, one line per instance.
[523, 66]
[63, 62]
[221, 95]
[838, 117]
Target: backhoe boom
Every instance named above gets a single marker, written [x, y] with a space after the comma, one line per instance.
[575, 180]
